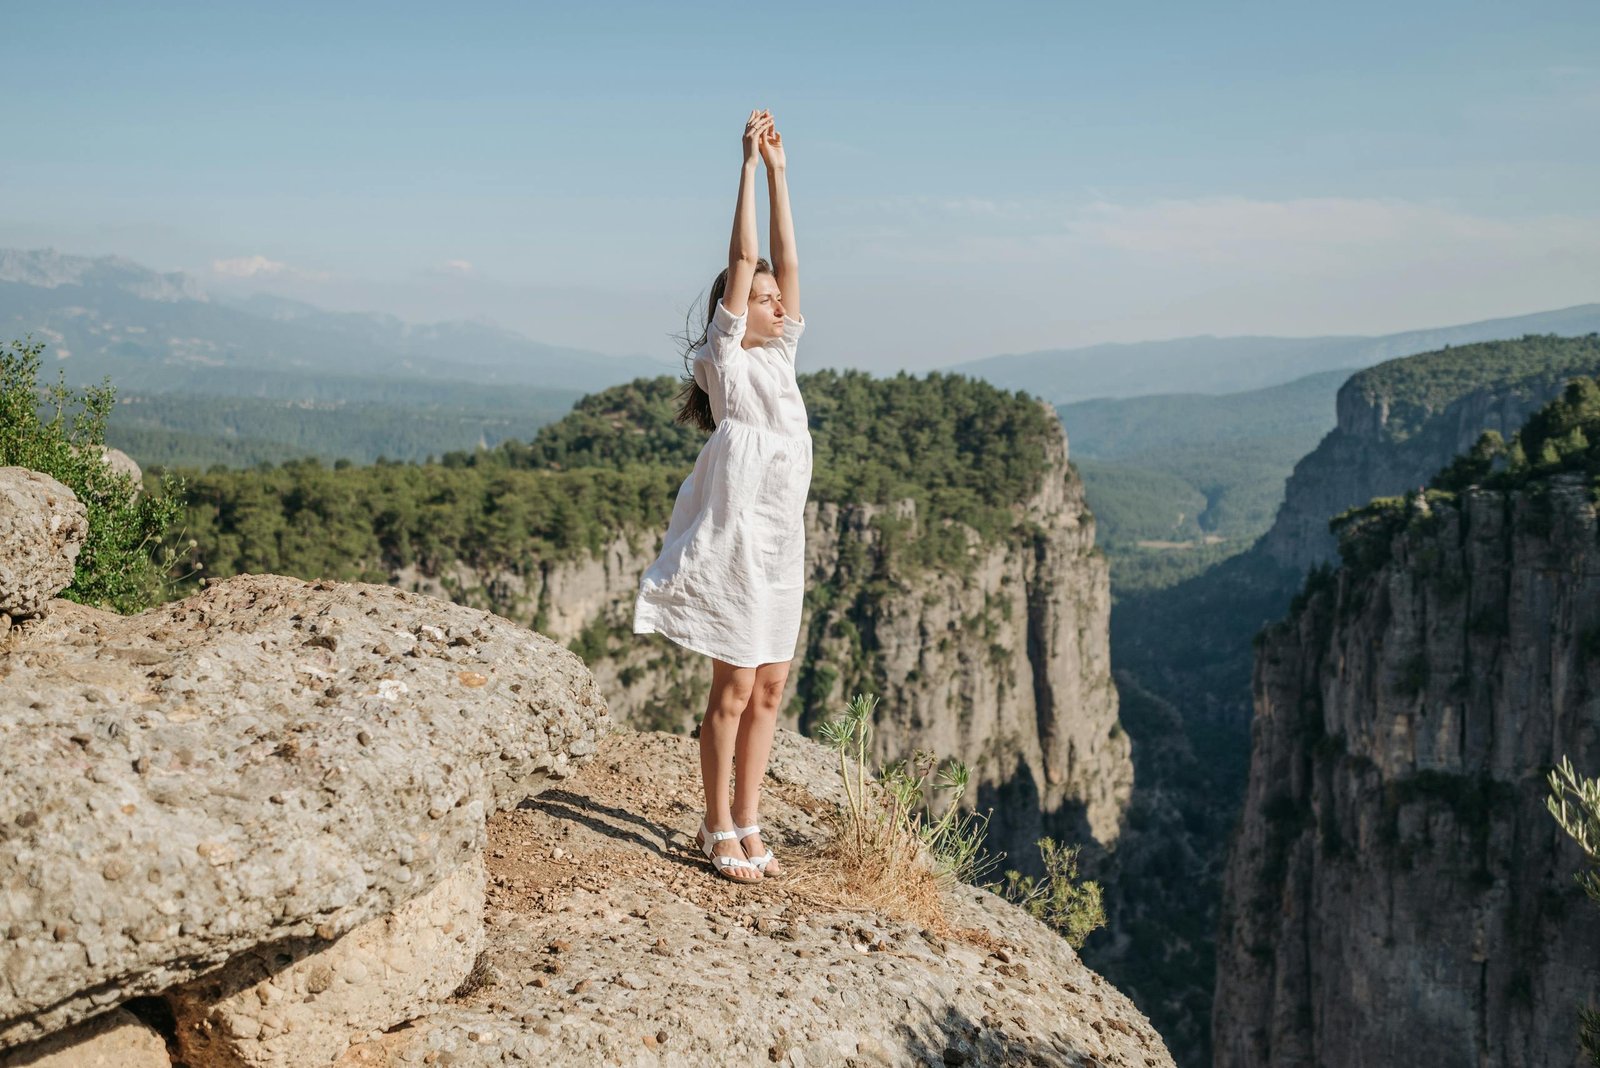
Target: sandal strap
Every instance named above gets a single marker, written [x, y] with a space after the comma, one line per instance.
[746, 832]
[732, 862]
[717, 836]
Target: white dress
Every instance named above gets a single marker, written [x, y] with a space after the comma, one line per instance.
[730, 578]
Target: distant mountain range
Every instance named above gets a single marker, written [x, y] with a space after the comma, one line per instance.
[163, 333]
[1233, 364]
[158, 332]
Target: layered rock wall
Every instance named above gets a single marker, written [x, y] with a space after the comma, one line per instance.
[1396, 889]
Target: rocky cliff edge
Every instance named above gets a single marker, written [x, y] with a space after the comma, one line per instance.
[266, 825]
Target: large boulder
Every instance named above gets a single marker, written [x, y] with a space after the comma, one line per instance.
[42, 528]
[267, 760]
[121, 463]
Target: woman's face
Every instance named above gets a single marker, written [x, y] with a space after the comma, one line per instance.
[766, 310]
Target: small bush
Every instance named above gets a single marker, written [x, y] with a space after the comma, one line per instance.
[893, 829]
[124, 564]
[1059, 899]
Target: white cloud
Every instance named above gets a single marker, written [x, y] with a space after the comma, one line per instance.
[260, 267]
[248, 267]
[458, 267]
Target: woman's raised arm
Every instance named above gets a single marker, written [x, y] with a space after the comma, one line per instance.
[744, 249]
[785, 257]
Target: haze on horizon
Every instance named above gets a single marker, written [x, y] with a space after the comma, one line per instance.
[966, 182]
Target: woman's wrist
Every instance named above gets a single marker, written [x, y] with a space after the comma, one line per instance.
[780, 171]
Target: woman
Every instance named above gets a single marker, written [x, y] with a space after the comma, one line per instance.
[731, 574]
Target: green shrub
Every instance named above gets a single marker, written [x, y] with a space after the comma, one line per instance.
[124, 562]
[1073, 908]
[895, 835]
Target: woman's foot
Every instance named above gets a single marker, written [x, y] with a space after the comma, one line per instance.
[735, 864]
[756, 849]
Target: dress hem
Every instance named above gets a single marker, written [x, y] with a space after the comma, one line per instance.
[689, 644]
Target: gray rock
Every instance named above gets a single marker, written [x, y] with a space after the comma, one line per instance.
[1364, 456]
[42, 528]
[268, 759]
[121, 463]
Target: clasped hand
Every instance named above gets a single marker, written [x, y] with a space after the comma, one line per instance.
[760, 135]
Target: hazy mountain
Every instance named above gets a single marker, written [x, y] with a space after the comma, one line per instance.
[162, 332]
[1177, 481]
[1109, 427]
[1229, 364]
[49, 269]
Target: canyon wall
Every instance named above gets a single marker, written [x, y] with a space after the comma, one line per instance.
[1396, 889]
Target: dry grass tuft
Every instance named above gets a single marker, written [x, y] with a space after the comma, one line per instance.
[884, 878]
[886, 855]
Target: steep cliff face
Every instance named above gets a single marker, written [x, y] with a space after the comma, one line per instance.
[1004, 664]
[1396, 889]
[1403, 420]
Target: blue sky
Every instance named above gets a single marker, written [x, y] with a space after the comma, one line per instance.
[967, 179]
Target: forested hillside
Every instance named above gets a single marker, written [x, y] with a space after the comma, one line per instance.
[1179, 482]
[196, 430]
[962, 449]
[1399, 420]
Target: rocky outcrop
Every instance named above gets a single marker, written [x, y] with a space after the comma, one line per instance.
[42, 528]
[258, 818]
[1394, 433]
[610, 942]
[249, 828]
[265, 763]
[1396, 889]
[1003, 662]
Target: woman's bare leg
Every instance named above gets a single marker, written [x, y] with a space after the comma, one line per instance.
[754, 745]
[731, 688]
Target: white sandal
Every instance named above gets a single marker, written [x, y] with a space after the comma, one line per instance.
[720, 864]
[762, 861]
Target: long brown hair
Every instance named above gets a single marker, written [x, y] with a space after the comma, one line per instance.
[695, 403]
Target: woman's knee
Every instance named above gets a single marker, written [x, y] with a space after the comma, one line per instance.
[724, 710]
[730, 699]
[767, 694]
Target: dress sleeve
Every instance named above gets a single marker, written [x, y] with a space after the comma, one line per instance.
[792, 329]
[724, 334]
